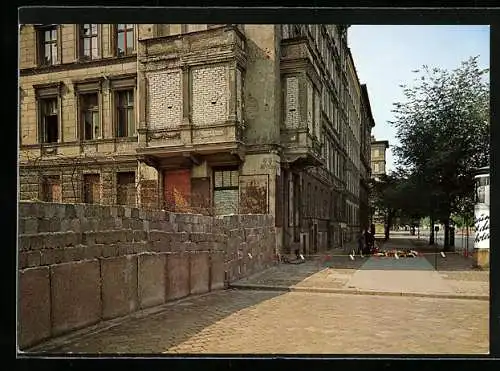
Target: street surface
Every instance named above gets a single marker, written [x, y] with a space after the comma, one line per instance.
[274, 321]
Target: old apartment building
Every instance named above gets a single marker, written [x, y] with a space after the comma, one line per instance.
[367, 123]
[203, 118]
[378, 157]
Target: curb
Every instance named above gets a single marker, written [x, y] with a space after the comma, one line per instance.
[355, 292]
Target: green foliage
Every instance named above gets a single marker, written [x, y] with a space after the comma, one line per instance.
[443, 130]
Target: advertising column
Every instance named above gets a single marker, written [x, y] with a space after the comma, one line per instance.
[482, 219]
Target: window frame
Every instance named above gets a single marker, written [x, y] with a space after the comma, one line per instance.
[229, 169]
[85, 184]
[42, 93]
[87, 87]
[45, 181]
[41, 43]
[117, 185]
[93, 109]
[125, 30]
[117, 108]
[80, 47]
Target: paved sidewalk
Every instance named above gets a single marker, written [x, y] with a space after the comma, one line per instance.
[237, 322]
[374, 275]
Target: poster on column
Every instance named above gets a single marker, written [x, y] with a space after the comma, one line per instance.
[482, 226]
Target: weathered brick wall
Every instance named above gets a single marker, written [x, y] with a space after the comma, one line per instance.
[209, 94]
[292, 102]
[165, 99]
[80, 264]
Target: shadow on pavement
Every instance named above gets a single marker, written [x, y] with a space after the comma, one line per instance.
[158, 332]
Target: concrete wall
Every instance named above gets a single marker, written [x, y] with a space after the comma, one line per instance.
[80, 264]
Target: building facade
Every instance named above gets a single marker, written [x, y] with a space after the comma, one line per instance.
[216, 119]
[378, 157]
[367, 123]
[378, 165]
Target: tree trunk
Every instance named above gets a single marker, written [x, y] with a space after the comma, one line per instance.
[431, 235]
[388, 225]
[446, 242]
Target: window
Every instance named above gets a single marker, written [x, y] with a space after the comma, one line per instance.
[125, 192]
[124, 39]
[47, 45]
[51, 189]
[49, 120]
[226, 191]
[125, 113]
[89, 108]
[91, 188]
[89, 48]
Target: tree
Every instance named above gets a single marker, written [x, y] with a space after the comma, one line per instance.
[443, 130]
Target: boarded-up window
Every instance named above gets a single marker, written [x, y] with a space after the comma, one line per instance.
[91, 188]
[177, 190]
[125, 188]
[292, 117]
[226, 191]
[52, 189]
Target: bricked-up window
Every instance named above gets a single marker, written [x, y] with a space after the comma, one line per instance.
[91, 188]
[126, 190]
[51, 188]
[47, 45]
[49, 120]
[89, 110]
[124, 39]
[226, 191]
[89, 48]
[125, 123]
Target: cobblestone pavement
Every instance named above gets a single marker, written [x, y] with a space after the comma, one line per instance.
[234, 321]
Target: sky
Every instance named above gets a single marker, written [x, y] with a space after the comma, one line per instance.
[384, 57]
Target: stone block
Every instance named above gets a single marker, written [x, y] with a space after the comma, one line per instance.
[89, 238]
[75, 295]
[22, 259]
[53, 210]
[143, 236]
[134, 213]
[93, 252]
[27, 209]
[33, 306]
[30, 225]
[33, 258]
[110, 250]
[119, 286]
[51, 256]
[199, 273]
[70, 211]
[184, 227]
[199, 237]
[217, 271]
[177, 277]
[73, 253]
[151, 279]
[75, 225]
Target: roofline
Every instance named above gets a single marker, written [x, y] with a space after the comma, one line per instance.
[386, 142]
[364, 92]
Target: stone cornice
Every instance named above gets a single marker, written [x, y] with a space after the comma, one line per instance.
[39, 70]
